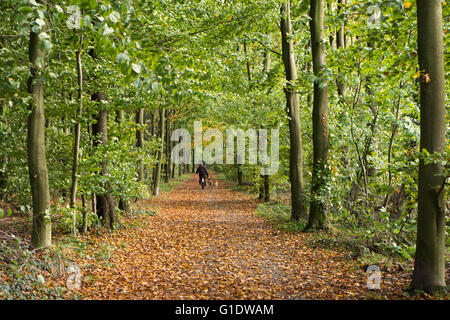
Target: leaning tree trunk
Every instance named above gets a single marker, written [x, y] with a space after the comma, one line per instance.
[160, 153]
[317, 215]
[41, 235]
[105, 202]
[298, 197]
[429, 265]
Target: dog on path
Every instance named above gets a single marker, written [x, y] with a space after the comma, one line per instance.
[212, 183]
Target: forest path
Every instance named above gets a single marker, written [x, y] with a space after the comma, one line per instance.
[208, 244]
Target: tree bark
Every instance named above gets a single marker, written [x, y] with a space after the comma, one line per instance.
[429, 265]
[160, 153]
[105, 202]
[298, 197]
[140, 114]
[317, 215]
[77, 132]
[168, 145]
[340, 43]
[265, 190]
[41, 235]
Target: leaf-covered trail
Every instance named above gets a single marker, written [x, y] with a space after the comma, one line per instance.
[208, 244]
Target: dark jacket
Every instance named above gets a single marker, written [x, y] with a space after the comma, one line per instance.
[202, 172]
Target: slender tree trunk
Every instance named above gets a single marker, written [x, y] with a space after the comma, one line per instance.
[265, 190]
[153, 132]
[105, 202]
[84, 221]
[394, 128]
[160, 153]
[140, 114]
[429, 265]
[240, 174]
[298, 197]
[266, 186]
[124, 204]
[41, 235]
[340, 43]
[193, 163]
[248, 65]
[168, 144]
[3, 163]
[77, 134]
[77, 131]
[120, 116]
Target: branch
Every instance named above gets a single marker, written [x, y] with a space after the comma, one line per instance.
[271, 50]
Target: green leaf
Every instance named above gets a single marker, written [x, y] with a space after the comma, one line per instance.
[107, 31]
[121, 57]
[40, 22]
[25, 9]
[136, 67]
[114, 17]
[2, 213]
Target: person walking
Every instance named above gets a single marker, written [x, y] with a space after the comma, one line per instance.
[202, 174]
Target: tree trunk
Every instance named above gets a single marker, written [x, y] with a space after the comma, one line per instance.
[120, 116]
[3, 163]
[193, 161]
[41, 235]
[77, 132]
[160, 153]
[266, 176]
[168, 162]
[266, 186]
[317, 215]
[154, 132]
[429, 265]
[140, 140]
[240, 174]
[124, 204]
[340, 43]
[105, 203]
[298, 197]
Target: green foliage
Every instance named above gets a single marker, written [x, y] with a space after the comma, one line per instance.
[280, 216]
[189, 57]
[25, 272]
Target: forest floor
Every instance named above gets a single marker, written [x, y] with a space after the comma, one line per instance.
[209, 244]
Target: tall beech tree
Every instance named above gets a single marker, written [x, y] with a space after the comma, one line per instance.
[105, 202]
[41, 235]
[429, 265]
[298, 197]
[317, 215]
